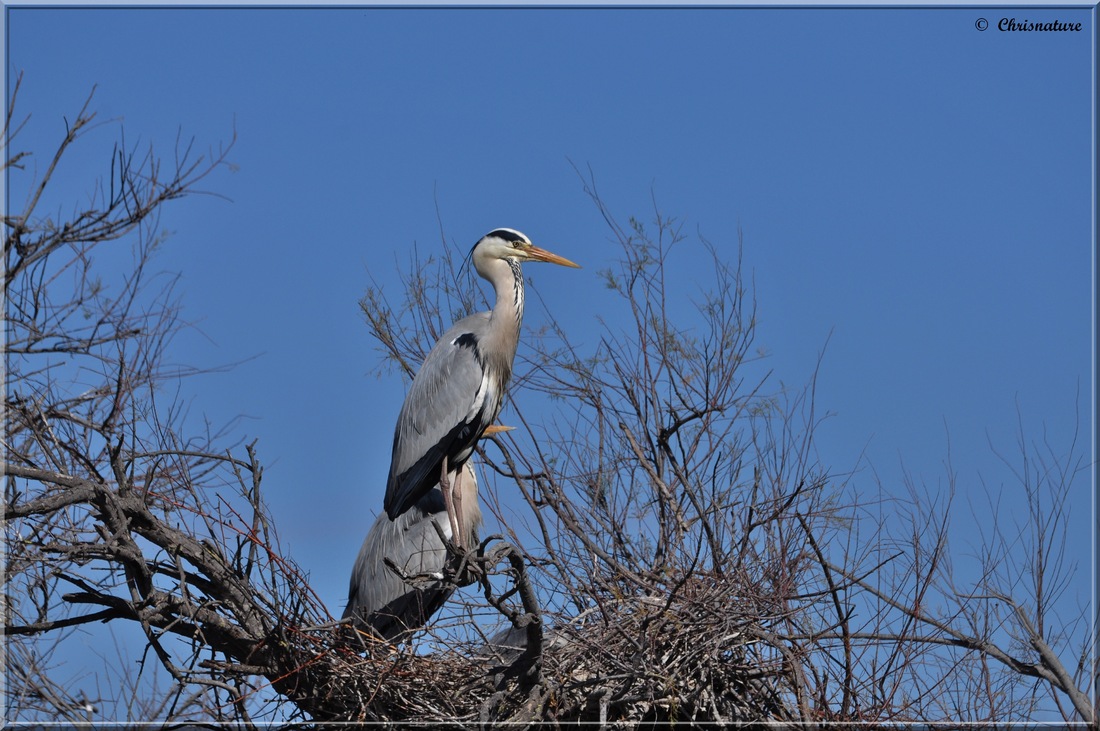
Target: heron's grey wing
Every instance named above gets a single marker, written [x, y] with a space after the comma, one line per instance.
[511, 642]
[440, 410]
[379, 600]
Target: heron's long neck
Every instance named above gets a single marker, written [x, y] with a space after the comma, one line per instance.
[507, 316]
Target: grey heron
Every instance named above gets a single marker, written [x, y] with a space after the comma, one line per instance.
[459, 388]
[380, 601]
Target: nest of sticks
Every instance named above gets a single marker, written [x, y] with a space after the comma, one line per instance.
[696, 654]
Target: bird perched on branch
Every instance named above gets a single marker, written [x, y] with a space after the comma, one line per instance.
[383, 603]
[459, 389]
[380, 600]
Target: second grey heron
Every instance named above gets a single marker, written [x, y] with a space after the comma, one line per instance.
[380, 601]
[459, 389]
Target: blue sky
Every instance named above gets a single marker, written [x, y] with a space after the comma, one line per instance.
[912, 190]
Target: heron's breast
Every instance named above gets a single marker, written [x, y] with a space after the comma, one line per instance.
[487, 399]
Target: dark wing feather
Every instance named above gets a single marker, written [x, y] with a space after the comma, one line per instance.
[378, 599]
[437, 417]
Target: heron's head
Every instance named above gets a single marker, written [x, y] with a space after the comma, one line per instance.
[507, 243]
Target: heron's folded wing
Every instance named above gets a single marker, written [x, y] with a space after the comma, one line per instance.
[439, 412]
[378, 599]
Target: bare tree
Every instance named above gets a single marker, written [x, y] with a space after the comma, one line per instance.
[117, 514]
[682, 555]
[697, 564]
[991, 649]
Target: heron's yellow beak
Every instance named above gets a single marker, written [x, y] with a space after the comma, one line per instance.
[496, 429]
[534, 253]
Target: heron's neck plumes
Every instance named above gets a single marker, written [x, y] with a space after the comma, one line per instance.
[514, 294]
[507, 315]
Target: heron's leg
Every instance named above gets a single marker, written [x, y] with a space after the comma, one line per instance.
[458, 527]
[447, 489]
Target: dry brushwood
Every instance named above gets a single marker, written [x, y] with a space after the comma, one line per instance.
[680, 555]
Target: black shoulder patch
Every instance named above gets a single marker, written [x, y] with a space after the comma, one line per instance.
[466, 340]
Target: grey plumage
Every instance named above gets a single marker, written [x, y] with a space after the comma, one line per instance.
[507, 644]
[380, 601]
[441, 416]
[459, 389]
[453, 400]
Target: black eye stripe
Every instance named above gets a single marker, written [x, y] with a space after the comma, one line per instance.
[509, 235]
